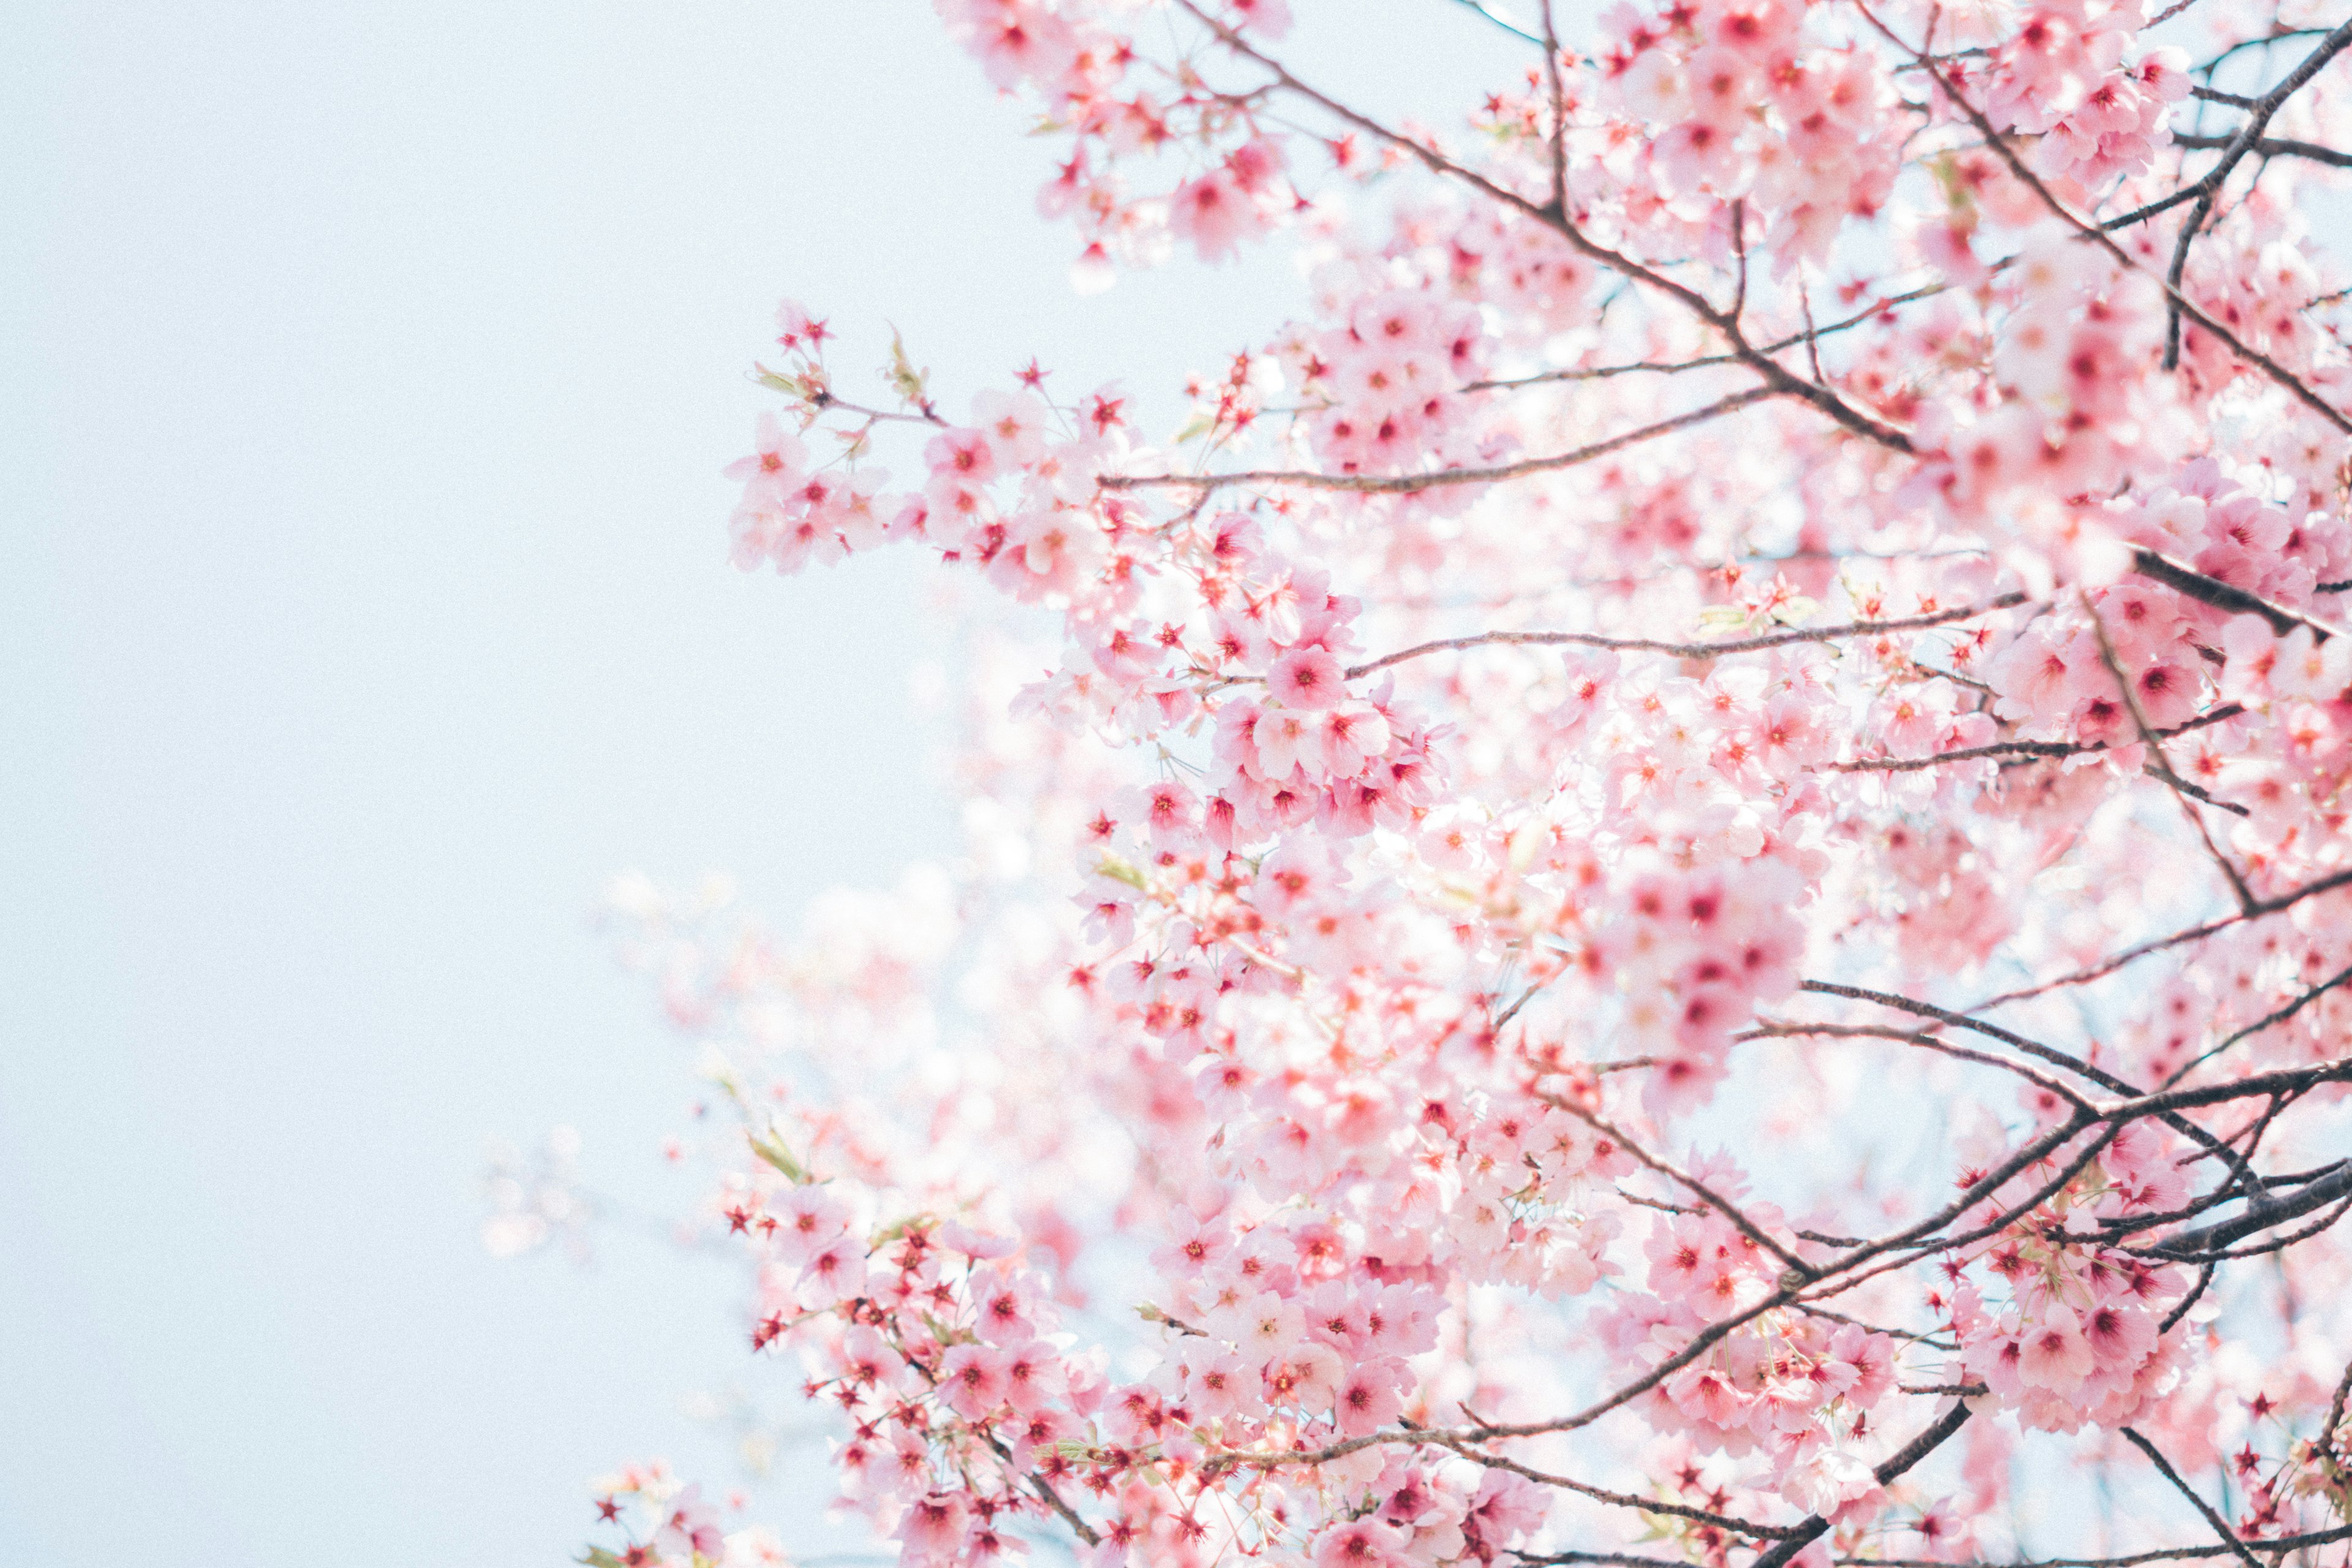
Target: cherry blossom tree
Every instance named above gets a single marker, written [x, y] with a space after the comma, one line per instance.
[1674, 889]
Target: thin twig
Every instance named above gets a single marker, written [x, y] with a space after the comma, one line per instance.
[1398, 484]
[2230, 872]
[1688, 649]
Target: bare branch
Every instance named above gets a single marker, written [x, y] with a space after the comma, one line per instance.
[2272, 147]
[2220, 1526]
[1767, 1028]
[2259, 1216]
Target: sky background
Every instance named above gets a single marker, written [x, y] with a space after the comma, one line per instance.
[365, 372]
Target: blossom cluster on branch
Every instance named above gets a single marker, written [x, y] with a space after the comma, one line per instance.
[1676, 889]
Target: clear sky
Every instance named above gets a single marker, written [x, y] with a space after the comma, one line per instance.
[365, 373]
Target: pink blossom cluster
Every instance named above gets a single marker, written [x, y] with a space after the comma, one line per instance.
[1013, 492]
[2079, 1339]
[2258, 280]
[1074, 60]
[1744, 100]
[969, 1414]
[1390, 380]
[2139, 653]
[671, 1526]
[2068, 74]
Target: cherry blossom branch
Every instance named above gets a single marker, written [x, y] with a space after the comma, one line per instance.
[1893, 1465]
[820, 400]
[1831, 1277]
[2220, 1526]
[2234, 147]
[2278, 1545]
[2196, 791]
[2248, 1184]
[1395, 484]
[1917, 1240]
[2030, 751]
[2163, 765]
[2335, 1411]
[1776, 1028]
[2257, 119]
[2109, 964]
[2259, 1024]
[1468, 1450]
[1688, 650]
[2324, 1223]
[1706, 1195]
[2195, 584]
[2098, 236]
[1811, 1311]
[1558, 109]
[1044, 1488]
[1778, 377]
[2042, 751]
[1706, 1340]
[1053, 1499]
[1602, 372]
[1465, 1443]
[2278, 35]
[1697, 1346]
[2049, 1053]
[2293, 1079]
[2205, 1272]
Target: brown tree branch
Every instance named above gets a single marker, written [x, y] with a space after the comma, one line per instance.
[2195, 584]
[1688, 649]
[1402, 484]
[2272, 147]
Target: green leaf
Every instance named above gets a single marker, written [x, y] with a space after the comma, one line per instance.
[908, 382]
[1120, 870]
[772, 1149]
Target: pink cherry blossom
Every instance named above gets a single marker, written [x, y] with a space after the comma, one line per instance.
[1797, 994]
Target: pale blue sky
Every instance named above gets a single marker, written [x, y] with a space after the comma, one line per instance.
[365, 372]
